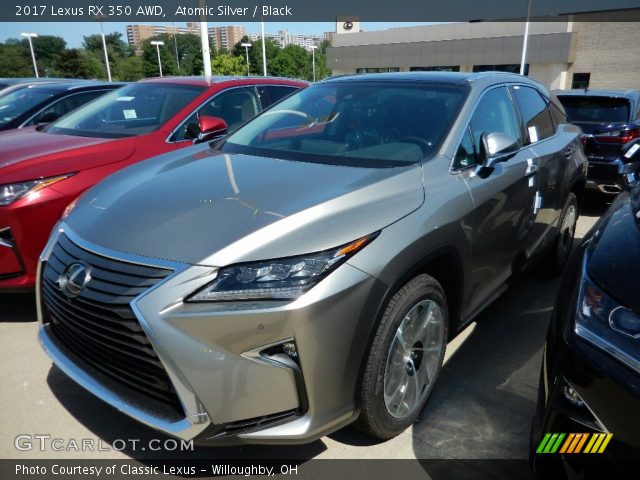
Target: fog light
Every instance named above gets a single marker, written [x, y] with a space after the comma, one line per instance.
[290, 349]
[571, 395]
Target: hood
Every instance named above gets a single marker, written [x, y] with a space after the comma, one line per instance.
[209, 208]
[614, 254]
[28, 153]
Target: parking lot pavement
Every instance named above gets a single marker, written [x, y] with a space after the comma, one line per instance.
[481, 407]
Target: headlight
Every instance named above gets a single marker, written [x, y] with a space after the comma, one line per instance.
[11, 192]
[612, 327]
[281, 279]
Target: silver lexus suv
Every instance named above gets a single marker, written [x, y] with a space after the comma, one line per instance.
[308, 270]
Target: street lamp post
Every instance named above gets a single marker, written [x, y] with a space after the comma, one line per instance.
[523, 59]
[313, 61]
[157, 44]
[104, 47]
[246, 51]
[33, 55]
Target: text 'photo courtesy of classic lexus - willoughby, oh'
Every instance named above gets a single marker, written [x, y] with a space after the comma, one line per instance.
[308, 270]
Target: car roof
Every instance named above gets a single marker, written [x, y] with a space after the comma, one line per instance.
[18, 80]
[632, 94]
[62, 86]
[215, 79]
[460, 78]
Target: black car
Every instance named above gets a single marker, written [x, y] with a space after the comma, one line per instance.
[38, 103]
[588, 420]
[8, 82]
[609, 119]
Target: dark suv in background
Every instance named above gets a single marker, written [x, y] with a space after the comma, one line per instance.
[609, 119]
[40, 103]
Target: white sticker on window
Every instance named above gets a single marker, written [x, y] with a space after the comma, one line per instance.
[124, 99]
[128, 114]
[533, 134]
[632, 150]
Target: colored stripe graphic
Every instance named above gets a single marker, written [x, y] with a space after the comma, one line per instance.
[574, 443]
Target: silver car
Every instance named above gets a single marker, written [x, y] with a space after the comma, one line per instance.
[307, 271]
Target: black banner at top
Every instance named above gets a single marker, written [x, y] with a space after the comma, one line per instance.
[233, 11]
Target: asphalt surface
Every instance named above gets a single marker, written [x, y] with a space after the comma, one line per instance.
[481, 408]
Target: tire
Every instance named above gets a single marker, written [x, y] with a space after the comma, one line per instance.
[397, 366]
[556, 258]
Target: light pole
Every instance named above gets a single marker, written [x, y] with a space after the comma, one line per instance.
[175, 46]
[104, 47]
[33, 55]
[264, 47]
[157, 44]
[313, 61]
[246, 46]
[525, 40]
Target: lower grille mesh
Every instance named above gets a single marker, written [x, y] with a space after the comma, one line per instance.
[99, 326]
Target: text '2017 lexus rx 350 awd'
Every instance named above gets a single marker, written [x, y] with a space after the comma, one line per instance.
[309, 270]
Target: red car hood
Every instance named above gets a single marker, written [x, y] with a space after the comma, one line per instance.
[28, 153]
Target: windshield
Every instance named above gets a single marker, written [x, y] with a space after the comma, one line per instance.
[596, 109]
[132, 110]
[353, 123]
[15, 103]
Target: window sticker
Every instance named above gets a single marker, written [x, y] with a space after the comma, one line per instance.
[124, 99]
[129, 114]
[533, 134]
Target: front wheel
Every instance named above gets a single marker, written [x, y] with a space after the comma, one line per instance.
[404, 359]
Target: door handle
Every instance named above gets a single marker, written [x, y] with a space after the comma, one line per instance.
[532, 168]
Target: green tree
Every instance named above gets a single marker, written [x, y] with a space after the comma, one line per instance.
[255, 55]
[129, 69]
[292, 61]
[15, 60]
[48, 49]
[228, 65]
[150, 57]
[189, 53]
[322, 71]
[115, 45]
[76, 63]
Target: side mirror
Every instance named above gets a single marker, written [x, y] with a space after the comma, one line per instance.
[498, 147]
[629, 163]
[210, 127]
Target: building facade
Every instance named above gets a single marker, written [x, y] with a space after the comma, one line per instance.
[284, 38]
[220, 37]
[580, 51]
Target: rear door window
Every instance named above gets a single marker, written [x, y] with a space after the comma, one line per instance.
[596, 109]
[65, 105]
[270, 94]
[534, 112]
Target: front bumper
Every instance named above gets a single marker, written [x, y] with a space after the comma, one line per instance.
[25, 226]
[219, 356]
[610, 397]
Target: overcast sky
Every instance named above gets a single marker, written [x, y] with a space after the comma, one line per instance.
[73, 32]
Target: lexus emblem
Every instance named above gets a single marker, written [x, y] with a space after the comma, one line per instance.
[347, 25]
[73, 279]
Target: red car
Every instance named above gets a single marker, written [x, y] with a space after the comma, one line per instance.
[43, 169]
